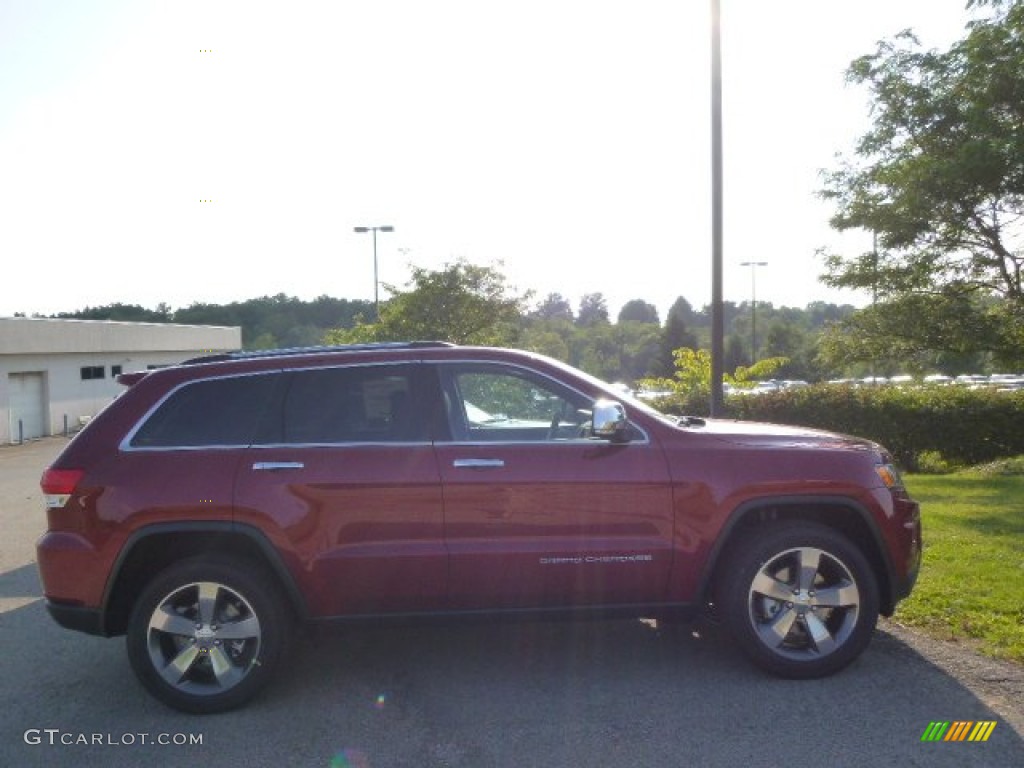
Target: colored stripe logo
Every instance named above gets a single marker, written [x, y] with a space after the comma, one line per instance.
[958, 730]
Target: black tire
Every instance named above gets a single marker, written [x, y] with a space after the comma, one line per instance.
[800, 599]
[206, 634]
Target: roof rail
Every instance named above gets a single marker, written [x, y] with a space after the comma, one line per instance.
[253, 354]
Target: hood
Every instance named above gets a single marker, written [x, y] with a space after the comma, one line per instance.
[757, 435]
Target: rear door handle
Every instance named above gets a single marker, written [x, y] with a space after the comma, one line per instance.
[478, 463]
[274, 465]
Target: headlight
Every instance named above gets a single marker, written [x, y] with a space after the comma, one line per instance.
[889, 475]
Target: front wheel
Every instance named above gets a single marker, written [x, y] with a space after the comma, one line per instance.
[801, 600]
[206, 635]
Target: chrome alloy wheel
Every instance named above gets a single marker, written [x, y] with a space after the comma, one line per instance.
[203, 638]
[804, 603]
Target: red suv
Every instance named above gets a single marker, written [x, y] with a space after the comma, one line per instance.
[216, 503]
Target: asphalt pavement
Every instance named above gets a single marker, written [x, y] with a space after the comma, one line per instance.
[615, 693]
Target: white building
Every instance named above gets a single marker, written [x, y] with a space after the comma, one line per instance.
[57, 374]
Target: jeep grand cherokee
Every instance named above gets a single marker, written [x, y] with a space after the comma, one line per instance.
[217, 503]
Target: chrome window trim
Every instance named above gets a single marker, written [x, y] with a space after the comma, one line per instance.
[283, 446]
[347, 444]
[581, 441]
[126, 446]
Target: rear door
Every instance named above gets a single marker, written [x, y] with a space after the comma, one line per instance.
[345, 478]
[538, 514]
[179, 463]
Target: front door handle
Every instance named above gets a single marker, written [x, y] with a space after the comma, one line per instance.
[274, 465]
[478, 463]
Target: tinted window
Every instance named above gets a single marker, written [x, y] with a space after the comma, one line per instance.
[213, 412]
[349, 405]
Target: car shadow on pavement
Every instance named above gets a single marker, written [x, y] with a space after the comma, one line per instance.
[624, 693]
[558, 693]
[21, 583]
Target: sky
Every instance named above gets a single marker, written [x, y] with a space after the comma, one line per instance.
[214, 151]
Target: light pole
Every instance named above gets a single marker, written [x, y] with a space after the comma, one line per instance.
[753, 305]
[717, 309]
[375, 230]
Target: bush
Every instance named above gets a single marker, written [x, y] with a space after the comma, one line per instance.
[934, 463]
[963, 426]
[1008, 467]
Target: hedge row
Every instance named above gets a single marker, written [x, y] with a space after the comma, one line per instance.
[965, 426]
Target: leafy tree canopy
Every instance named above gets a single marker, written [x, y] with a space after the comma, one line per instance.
[593, 310]
[461, 302]
[554, 307]
[692, 375]
[122, 312]
[639, 311]
[939, 178]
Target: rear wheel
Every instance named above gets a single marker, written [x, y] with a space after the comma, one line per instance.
[801, 600]
[206, 635]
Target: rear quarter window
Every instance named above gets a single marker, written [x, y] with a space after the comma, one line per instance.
[208, 413]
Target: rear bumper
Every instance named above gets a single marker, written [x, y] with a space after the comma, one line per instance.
[73, 575]
[77, 617]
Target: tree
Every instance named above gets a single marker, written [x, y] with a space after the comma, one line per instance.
[131, 313]
[639, 311]
[546, 340]
[593, 310]
[691, 379]
[554, 307]
[893, 339]
[462, 303]
[676, 335]
[939, 178]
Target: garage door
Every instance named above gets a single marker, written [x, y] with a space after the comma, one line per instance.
[27, 404]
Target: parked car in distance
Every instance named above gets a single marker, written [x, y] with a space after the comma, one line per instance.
[1006, 382]
[217, 503]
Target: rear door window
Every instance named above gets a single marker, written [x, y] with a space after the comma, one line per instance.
[370, 404]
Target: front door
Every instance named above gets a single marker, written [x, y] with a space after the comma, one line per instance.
[538, 513]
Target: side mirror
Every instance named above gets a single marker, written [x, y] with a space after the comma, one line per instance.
[609, 422]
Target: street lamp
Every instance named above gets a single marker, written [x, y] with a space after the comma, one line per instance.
[375, 230]
[717, 309]
[753, 305]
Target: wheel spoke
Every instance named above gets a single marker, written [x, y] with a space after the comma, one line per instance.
[227, 673]
[208, 592]
[810, 561]
[239, 630]
[165, 619]
[824, 642]
[842, 595]
[178, 667]
[774, 633]
[767, 585]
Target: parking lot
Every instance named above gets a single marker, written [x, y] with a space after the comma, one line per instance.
[620, 693]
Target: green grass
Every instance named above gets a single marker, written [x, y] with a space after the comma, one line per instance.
[972, 579]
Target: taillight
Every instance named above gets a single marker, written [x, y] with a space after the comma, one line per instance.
[59, 484]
